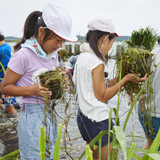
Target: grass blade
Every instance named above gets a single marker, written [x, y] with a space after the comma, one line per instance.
[13, 155]
[42, 143]
[100, 143]
[88, 153]
[154, 156]
[131, 151]
[121, 139]
[57, 145]
[155, 145]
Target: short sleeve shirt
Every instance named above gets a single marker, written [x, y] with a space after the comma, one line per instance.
[27, 64]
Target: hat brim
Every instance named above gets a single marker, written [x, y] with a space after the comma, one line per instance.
[116, 34]
[70, 38]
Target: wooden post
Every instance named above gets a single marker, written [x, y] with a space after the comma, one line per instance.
[67, 47]
[76, 49]
[70, 49]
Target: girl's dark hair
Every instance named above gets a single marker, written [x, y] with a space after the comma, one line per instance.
[1, 37]
[31, 26]
[92, 38]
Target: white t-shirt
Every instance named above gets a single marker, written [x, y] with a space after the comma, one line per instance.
[89, 105]
[156, 82]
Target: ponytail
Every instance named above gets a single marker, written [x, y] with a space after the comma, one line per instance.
[30, 28]
[92, 39]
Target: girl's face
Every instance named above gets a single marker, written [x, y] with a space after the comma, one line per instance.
[107, 45]
[52, 45]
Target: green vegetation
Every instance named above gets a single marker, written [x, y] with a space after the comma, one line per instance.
[42, 143]
[64, 54]
[133, 61]
[143, 38]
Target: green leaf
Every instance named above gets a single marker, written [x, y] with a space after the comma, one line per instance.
[154, 156]
[42, 143]
[100, 135]
[100, 144]
[121, 139]
[88, 153]
[132, 137]
[89, 157]
[155, 145]
[134, 156]
[130, 153]
[13, 155]
[57, 145]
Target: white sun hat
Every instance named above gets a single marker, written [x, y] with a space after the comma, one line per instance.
[59, 21]
[102, 23]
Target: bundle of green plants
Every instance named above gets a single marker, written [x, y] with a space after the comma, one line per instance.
[136, 61]
[54, 81]
[64, 54]
[143, 38]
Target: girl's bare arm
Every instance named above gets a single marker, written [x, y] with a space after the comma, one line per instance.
[102, 93]
[113, 81]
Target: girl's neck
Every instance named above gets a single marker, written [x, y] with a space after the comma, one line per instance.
[2, 42]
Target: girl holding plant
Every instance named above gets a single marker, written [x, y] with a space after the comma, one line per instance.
[92, 85]
[151, 122]
[44, 33]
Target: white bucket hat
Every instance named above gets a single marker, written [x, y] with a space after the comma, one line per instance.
[102, 23]
[72, 60]
[59, 21]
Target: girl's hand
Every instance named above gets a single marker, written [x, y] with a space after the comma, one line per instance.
[135, 78]
[38, 90]
[64, 69]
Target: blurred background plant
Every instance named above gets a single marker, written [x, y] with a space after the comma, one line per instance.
[143, 38]
[64, 54]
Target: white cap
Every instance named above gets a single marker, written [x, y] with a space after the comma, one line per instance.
[1, 32]
[102, 23]
[59, 21]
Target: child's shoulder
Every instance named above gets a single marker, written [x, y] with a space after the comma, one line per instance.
[24, 52]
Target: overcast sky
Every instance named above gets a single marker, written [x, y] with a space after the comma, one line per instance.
[127, 15]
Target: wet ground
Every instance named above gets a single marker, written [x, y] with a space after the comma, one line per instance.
[8, 131]
[75, 144]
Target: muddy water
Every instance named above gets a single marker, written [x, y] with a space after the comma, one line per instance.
[75, 144]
